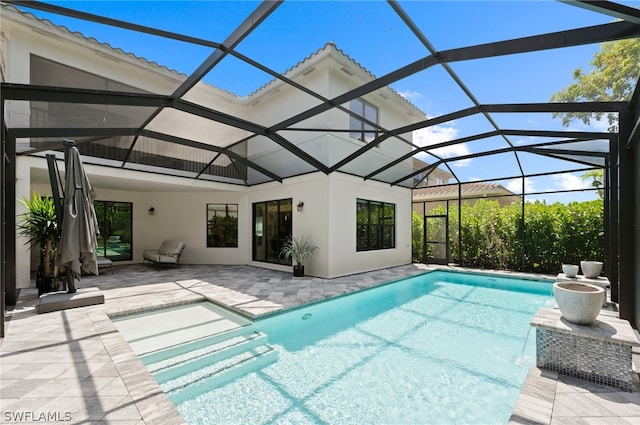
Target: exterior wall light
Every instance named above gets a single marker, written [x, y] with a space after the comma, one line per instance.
[300, 205]
[151, 210]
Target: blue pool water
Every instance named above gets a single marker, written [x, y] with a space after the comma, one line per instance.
[440, 348]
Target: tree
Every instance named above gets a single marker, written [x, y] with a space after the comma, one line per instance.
[614, 74]
[596, 178]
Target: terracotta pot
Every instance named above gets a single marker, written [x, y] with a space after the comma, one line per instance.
[579, 303]
[591, 269]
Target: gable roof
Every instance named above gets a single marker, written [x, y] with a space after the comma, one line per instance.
[331, 51]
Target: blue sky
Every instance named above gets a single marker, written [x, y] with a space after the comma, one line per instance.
[373, 35]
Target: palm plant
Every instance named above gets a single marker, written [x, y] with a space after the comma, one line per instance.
[298, 249]
[40, 227]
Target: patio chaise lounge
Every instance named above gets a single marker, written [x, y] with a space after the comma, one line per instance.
[168, 253]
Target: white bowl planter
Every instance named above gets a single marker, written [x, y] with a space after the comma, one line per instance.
[570, 270]
[579, 303]
[591, 269]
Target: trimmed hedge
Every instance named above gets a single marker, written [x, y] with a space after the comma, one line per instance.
[495, 237]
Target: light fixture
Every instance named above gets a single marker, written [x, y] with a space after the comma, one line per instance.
[300, 205]
[151, 210]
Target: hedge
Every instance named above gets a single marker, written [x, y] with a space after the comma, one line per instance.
[495, 237]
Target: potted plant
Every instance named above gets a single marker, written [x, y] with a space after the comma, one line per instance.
[299, 249]
[40, 227]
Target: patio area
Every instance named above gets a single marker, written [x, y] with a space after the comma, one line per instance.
[73, 366]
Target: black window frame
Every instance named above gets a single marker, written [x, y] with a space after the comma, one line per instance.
[226, 231]
[275, 234]
[358, 128]
[375, 230]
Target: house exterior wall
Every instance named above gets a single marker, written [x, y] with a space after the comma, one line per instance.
[183, 216]
[276, 101]
[179, 214]
[390, 115]
[328, 215]
[312, 221]
[438, 174]
[27, 36]
[23, 190]
[344, 190]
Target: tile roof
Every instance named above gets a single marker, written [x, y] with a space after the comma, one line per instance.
[473, 187]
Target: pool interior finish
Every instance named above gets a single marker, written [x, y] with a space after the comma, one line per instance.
[442, 347]
[154, 330]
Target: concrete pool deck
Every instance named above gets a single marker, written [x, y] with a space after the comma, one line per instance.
[73, 366]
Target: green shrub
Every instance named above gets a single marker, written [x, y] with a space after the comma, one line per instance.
[494, 237]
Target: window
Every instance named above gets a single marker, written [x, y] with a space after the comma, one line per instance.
[420, 179]
[115, 223]
[375, 222]
[358, 129]
[222, 225]
[271, 229]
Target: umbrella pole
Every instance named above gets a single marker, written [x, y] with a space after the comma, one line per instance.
[71, 287]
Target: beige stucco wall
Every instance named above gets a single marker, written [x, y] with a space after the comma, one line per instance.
[312, 190]
[328, 216]
[278, 101]
[180, 212]
[343, 257]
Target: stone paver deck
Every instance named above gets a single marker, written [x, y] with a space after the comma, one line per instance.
[73, 366]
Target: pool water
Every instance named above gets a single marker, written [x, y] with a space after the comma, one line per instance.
[440, 348]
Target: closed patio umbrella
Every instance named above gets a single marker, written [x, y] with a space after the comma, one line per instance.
[77, 250]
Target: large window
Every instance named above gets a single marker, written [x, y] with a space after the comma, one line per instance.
[115, 223]
[271, 229]
[376, 225]
[222, 225]
[358, 128]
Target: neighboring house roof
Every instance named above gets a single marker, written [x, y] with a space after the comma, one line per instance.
[469, 190]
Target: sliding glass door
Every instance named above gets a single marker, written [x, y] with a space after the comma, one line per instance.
[115, 223]
[271, 229]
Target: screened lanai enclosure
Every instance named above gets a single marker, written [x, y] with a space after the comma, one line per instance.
[475, 91]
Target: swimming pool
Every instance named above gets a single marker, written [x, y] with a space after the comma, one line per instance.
[437, 348]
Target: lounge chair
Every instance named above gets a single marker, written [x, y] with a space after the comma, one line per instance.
[104, 263]
[168, 253]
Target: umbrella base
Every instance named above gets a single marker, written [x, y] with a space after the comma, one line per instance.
[55, 301]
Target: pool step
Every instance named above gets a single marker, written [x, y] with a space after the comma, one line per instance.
[157, 356]
[201, 357]
[206, 378]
